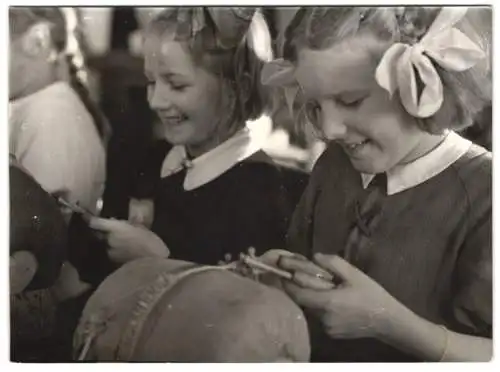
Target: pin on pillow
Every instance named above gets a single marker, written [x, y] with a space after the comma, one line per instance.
[211, 315]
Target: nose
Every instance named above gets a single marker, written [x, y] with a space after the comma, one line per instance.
[333, 122]
[159, 97]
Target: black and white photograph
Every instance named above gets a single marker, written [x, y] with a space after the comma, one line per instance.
[249, 184]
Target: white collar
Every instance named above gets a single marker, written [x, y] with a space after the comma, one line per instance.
[214, 163]
[403, 177]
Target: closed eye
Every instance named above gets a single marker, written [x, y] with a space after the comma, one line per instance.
[176, 83]
[179, 87]
[351, 100]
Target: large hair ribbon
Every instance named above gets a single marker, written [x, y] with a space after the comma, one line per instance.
[403, 64]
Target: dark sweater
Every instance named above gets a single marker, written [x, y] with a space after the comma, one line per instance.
[431, 249]
[248, 206]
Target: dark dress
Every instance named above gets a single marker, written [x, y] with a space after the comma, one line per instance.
[431, 249]
[250, 205]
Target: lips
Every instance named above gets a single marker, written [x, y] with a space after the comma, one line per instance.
[173, 120]
[354, 148]
[354, 145]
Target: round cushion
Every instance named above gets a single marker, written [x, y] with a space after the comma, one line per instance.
[166, 310]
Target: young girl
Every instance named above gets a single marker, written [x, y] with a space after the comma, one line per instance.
[398, 208]
[219, 194]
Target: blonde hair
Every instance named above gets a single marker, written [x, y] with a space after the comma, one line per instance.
[239, 65]
[465, 93]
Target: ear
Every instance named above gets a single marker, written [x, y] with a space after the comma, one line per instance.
[37, 41]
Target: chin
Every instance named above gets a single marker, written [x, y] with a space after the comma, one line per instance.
[368, 166]
[178, 136]
[173, 140]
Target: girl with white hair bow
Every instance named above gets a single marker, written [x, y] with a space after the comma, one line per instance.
[398, 208]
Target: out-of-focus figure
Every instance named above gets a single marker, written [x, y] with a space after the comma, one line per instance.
[54, 130]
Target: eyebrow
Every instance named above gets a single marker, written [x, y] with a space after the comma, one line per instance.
[175, 75]
[357, 92]
[168, 75]
[172, 74]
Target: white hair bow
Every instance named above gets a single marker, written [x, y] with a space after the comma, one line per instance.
[444, 45]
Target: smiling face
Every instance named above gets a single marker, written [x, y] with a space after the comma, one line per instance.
[345, 101]
[186, 97]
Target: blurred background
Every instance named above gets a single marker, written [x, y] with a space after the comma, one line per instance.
[109, 42]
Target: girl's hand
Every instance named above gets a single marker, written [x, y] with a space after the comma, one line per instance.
[357, 307]
[128, 242]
